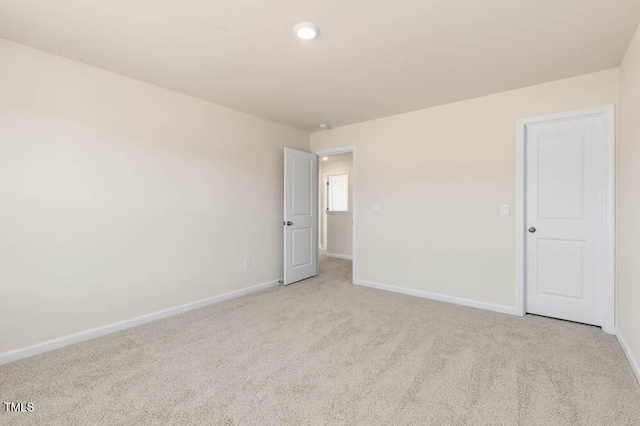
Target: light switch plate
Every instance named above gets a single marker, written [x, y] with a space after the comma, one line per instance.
[505, 210]
[376, 207]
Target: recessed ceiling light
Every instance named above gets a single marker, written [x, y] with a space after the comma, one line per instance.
[306, 30]
[325, 158]
[324, 126]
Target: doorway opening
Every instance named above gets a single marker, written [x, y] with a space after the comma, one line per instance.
[336, 212]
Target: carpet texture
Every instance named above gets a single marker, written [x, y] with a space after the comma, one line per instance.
[323, 351]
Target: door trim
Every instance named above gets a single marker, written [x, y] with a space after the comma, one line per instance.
[608, 297]
[354, 198]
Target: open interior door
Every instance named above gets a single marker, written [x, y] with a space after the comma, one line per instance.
[300, 215]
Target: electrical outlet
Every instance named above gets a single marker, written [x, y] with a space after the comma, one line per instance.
[505, 210]
[247, 262]
[416, 264]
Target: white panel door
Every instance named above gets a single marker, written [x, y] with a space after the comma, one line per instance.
[564, 218]
[300, 215]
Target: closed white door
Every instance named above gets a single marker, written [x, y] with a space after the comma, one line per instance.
[300, 215]
[564, 218]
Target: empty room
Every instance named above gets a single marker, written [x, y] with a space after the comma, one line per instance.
[240, 212]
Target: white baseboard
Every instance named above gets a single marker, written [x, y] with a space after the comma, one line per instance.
[440, 297]
[625, 348]
[340, 256]
[121, 325]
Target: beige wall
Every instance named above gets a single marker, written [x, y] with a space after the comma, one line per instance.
[339, 234]
[440, 176]
[118, 198]
[628, 225]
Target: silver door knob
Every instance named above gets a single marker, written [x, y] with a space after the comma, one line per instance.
[532, 229]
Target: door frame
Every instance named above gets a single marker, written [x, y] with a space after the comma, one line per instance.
[608, 217]
[353, 181]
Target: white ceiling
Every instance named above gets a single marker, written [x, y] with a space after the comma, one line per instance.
[373, 58]
[345, 156]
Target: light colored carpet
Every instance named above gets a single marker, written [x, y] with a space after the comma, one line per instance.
[323, 351]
